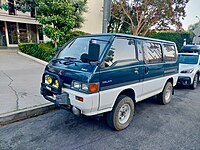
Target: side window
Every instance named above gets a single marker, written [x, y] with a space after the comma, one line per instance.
[169, 52]
[152, 52]
[140, 49]
[122, 52]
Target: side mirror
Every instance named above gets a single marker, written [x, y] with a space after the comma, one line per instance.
[93, 52]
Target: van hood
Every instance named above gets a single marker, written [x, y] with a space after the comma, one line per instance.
[78, 71]
[183, 67]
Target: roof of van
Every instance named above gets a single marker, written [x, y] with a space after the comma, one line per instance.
[131, 36]
[191, 47]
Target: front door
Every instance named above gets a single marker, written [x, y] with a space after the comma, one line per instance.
[120, 68]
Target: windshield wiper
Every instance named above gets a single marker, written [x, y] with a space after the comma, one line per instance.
[66, 60]
[69, 58]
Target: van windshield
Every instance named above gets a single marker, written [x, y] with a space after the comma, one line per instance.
[188, 59]
[79, 46]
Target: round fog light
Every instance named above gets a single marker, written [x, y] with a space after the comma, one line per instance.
[56, 83]
[49, 80]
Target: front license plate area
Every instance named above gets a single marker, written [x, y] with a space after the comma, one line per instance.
[63, 99]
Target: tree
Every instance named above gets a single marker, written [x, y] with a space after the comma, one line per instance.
[26, 5]
[142, 15]
[22, 5]
[59, 17]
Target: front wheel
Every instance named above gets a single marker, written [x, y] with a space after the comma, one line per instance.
[122, 114]
[195, 81]
[166, 95]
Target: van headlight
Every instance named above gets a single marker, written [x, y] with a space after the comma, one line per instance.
[84, 87]
[187, 71]
[92, 87]
[76, 85]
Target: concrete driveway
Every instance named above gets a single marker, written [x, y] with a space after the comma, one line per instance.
[20, 79]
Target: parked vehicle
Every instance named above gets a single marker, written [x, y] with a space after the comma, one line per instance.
[189, 69]
[109, 73]
[190, 49]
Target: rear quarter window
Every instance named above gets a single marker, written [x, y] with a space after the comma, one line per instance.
[169, 52]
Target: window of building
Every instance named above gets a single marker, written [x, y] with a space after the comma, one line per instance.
[169, 52]
[122, 52]
[40, 31]
[12, 32]
[33, 13]
[152, 52]
[23, 37]
[11, 7]
[32, 33]
[2, 34]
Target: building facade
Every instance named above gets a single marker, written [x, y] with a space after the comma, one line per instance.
[93, 17]
[18, 27]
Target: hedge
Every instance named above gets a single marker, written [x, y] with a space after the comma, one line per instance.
[177, 37]
[44, 51]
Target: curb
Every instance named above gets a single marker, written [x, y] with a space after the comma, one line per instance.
[33, 58]
[25, 114]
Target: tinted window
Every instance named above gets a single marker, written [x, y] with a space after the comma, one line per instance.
[122, 52]
[169, 52]
[188, 59]
[152, 52]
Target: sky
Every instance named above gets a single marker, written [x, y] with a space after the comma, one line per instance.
[192, 10]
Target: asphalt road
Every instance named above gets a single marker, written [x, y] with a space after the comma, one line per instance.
[155, 127]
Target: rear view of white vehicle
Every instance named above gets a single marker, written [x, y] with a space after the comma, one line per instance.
[189, 69]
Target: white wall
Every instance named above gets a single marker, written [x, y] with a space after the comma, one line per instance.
[93, 17]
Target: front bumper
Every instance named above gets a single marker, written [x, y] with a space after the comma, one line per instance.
[66, 98]
[184, 80]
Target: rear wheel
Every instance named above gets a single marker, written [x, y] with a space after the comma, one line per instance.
[122, 114]
[166, 95]
[195, 81]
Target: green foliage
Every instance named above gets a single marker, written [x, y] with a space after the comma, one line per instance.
[60, 17]
[44, 51]
[177, 37]
[22, 5]
[26, 5]
[4, 7]
[80, 8]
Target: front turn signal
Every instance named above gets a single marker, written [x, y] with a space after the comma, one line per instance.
[94, 87]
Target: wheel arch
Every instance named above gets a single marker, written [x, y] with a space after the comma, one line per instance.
[170, 80]
[128, 92]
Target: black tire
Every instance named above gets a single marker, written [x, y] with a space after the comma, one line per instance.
[119, 120]
[195, 82]
[165, 96]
